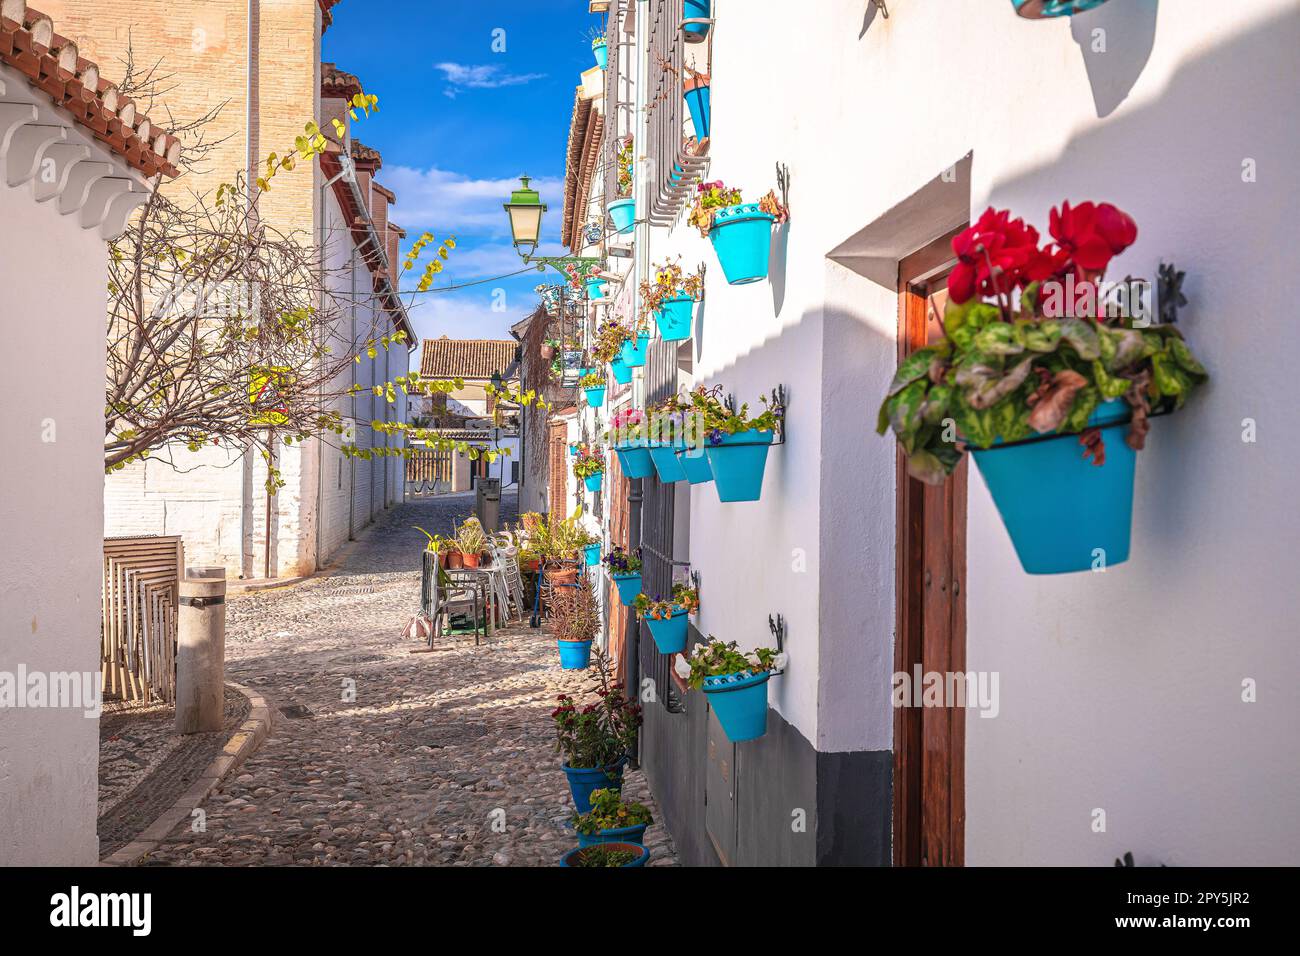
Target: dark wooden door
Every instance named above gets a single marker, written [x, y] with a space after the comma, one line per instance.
[929, 751]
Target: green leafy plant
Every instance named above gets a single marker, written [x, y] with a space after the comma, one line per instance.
[575, 614]
[669, 282]
[711, 198]
[609, 811]
[590, 461]
[592, 380]
[609, 341]
[719, 420]
[623, 562]
[602, 854]
[625, 159]
[470, 537]
[599, 733]
[684, 597]
[718, 659]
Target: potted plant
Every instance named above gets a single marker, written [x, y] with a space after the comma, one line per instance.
[593, 388]
[667, 620]
[589, 468]
[625, 571]
[622, 211]
[591, 553]
[1041, 9]
[696, 10]
[667, 433]
[634, 349]
[596, 284]
[741, 232]
[611, 819]
[595, 739]
[575, 618]
[599, 49]
[471, 541]
[627, 436]
[1037, 359]
[735, 444]
[735, 683]
[695, 90]
[671, 299]
[607, 854]
[608, 347]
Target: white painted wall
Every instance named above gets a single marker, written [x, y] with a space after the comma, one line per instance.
[1119, 691]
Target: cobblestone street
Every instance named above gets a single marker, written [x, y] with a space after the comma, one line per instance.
[443, 758]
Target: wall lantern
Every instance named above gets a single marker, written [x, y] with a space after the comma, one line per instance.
[1042, 9]
[525, 208]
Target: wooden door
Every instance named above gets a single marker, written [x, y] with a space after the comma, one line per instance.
[929, 751]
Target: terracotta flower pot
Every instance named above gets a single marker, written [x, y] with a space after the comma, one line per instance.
[455, 560]
[562, 575]
[548, 352]
[470, 560]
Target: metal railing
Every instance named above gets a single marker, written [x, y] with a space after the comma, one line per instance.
[674, 169]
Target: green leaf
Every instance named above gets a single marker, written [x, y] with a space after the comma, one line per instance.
[998, 338]
[911, 368]
[1185, 359]
[906, 413]
[1082, 336]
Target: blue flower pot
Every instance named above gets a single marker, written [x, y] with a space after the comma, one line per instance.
[622, 374]
[591, 553]
[697, 10]
[575, 655]
[595, 396]
[740, 701]
[697, 100]
[674, 319]
[629, 586]
[570, 859]
[583, 781]
[696, 466]
[601, 52]
[596, 289]
[666, 464]
[1039, 9]
[742, 238]
[573, 451]
[1064, 513]
[738, 464]
[634, 459]
[634, 350]
[594, 482]
[670, 633]
[634, 834]
[623, 214]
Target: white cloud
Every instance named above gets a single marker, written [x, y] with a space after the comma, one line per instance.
[444, 202]
[465, 315]
[461, 76]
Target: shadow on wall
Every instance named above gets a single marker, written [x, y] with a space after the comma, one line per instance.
[1115, 40]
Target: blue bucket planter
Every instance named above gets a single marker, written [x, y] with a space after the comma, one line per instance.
[601, 52]
[629, 586]
[594, 482]
[622, 374]
[634, 834]
[1058, 507]
[634, 459]
[1039, 9]
[674, 319]
[575, 655]
[643, 853]
[697, 10]
[669, 633]
[591, 554]
[740, 701]
[742, 238]
[596, 289]
[738, 464]
[697, 101]
[623, 214]
[666, 464]
[695, 466]
[634, 350]
[584, 781]
[595, 396]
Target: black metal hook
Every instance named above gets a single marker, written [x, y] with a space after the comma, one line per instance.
[777, 627]
[1170, 292]
[783, 180]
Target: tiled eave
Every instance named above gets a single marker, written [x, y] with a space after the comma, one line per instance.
[585, 131]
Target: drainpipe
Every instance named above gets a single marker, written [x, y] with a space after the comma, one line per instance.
[320, 442]
[246, 517]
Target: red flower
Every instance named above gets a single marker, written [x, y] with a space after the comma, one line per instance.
[995, 255]
[1092, 234]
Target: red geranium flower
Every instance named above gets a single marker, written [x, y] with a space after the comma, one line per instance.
[994, 256]
[1092, 234]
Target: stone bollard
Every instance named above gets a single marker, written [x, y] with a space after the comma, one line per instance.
[201, 652]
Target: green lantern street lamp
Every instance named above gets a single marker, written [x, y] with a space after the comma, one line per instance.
[525, 209]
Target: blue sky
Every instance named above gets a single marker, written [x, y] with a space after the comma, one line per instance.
[458, 124]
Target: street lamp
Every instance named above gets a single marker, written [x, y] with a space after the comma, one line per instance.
[525, 209]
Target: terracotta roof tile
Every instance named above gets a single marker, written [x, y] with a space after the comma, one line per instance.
[326, 13]
[364, 155]
[336, 83]
[52, 64]
[446, 358]
[585, 134]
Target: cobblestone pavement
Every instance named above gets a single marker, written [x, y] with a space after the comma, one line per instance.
[442, 758]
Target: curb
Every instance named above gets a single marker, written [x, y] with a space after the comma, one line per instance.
[238, 748]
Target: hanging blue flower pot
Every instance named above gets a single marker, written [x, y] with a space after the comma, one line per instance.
[697, 100]
[634, 353]
[622, 374]
[594, 482]
[737, 463]
[623, 214]
[596, 289]
[634, 834]
[670, 632]
[634, 459]
[1039, 9]
[601, 51]
[584, 780]
[696, 466]
[591, 554]
[1064, 513]
[742, 238]
[674, 318]
[696, 10]
[629, 586]
[570, 859]
[666, 464]
[595, 395]
[740, 701]
[575, 655]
